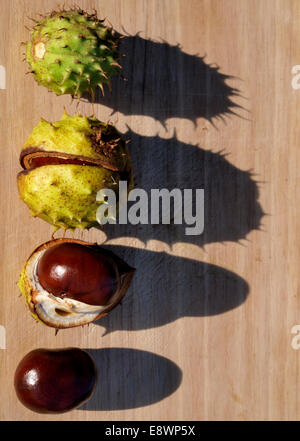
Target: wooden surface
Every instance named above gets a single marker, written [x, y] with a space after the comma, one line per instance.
[205, 330]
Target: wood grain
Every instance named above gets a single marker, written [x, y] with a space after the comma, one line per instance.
[205, 330]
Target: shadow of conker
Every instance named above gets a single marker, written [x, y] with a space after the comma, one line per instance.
[231, 206]
[166, 288]
[131, 378]
[165, 82]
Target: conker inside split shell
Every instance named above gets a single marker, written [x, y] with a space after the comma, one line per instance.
[78, 272]
[55, 380]
[66, 163]
[69, 282]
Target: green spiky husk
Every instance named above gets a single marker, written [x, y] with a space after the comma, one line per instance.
[80, 52]
[74, 135]
[64, 195]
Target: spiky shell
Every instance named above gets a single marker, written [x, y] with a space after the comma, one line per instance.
[72, 52]
[83, 137]
[64, 194]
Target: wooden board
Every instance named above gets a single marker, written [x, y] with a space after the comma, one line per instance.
[205, 330]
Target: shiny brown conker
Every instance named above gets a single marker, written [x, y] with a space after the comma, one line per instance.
[40, 161]
[78, 272]
[55, 380]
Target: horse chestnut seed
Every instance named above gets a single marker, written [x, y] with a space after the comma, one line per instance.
[55, 380]
[78, 272]
[68, 282]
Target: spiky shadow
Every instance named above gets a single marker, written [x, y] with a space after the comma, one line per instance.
[165, 82]
[231, 203]
[166, 288]
[131, 378]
